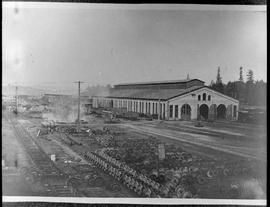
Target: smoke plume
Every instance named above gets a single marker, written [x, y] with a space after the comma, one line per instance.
[64, 110]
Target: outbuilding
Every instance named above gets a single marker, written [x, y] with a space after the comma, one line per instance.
[187, 99]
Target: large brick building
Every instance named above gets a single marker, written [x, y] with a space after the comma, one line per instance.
[171, 100]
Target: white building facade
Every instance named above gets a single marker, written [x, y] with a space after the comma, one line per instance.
[182, 100]
[203, 103]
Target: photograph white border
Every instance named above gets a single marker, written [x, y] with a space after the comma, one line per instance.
[78, 5]
[146, 201]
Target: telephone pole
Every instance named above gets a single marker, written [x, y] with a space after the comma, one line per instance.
[79, 104]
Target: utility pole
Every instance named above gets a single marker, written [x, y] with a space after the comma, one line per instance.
[79, 100]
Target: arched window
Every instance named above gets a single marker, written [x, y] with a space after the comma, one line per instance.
[209, 98]
[199, 97]
[204, 97]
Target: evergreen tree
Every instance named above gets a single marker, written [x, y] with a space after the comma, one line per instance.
[260, 93]
[219, 85]
[240, 87]
[250, 77]
[230, 90]
[250, 88]
[251, 93]
[218, 81]
[241, 74]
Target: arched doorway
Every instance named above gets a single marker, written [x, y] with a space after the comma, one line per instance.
[204, 109]
[186, 112]
[221, 111]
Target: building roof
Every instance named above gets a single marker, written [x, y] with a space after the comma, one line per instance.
[159, 82]
[148, 94]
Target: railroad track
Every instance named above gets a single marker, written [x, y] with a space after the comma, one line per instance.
[36, 154]
[44, 170]
[75, 171]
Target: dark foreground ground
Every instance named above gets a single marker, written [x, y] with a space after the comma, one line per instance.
[231, 158]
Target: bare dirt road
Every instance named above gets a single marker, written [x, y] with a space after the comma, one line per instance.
[238, 146]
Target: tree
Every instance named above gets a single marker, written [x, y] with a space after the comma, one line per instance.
[240, 87]
[259, 97]
[230, 89]
[250, 93]
[250, 77]
[218, 81]
[241, 74]
[250, 88]
[219, 85]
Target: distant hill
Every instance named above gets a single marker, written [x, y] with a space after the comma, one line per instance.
[66, 89]
[22, 90]
[36, 90]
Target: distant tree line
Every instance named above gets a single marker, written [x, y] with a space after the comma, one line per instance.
[251, 92]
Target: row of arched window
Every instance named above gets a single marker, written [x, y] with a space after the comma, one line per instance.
[204, 97]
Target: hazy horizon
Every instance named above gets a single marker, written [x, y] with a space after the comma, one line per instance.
[62, 44]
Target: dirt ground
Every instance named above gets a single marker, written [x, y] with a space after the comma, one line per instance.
[13, 183]
[254, 184]
[67, 160]
[221, 143]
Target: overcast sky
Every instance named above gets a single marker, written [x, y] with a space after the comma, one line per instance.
[109, 46]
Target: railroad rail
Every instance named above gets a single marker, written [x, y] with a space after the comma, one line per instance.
[37, 155]
[44, 170]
